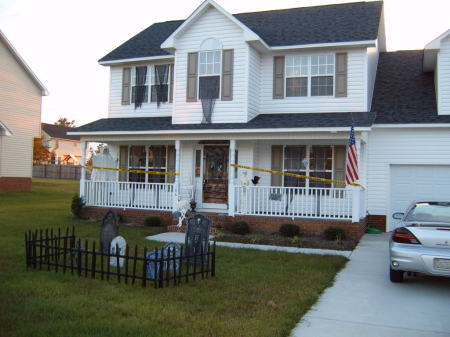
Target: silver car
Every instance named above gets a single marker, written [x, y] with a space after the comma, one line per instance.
[422, 243]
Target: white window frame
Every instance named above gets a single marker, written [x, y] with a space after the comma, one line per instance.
[211, 74]
[147, 168]
[308, 170]
[309, 75]
[150, 81]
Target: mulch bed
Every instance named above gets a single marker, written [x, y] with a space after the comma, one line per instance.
[276, 239]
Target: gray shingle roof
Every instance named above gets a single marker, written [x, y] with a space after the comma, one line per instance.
[57, 131]
[403, 92]
[263, 121]
[346, 22]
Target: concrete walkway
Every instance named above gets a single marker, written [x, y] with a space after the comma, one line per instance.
[363, 302]
[179, 237]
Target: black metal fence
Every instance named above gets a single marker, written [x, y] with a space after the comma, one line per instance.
[161, 267]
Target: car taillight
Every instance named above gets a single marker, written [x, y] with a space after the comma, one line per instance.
[403, 235]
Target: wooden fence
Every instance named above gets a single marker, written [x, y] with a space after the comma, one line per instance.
[62, 252]
[57, 171]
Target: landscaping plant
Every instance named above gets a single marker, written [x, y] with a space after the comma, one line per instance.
[290, 230]
[240, 227]
[77, 206]
[153, 221]
[334, 234]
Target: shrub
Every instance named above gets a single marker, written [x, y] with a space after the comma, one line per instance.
[153, 221]
[255, 239]
[289, 230]
[334, 234]
[77, 206]
[240, 227]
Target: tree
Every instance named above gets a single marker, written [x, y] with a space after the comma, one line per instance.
[63, 121]
[41, 155]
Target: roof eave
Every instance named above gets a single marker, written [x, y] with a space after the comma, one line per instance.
[34, 78]
[136, 59]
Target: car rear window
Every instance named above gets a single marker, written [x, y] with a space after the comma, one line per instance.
[430, 212]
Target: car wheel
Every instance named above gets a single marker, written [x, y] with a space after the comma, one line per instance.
[396, 275]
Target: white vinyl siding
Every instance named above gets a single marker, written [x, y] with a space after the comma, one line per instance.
[116, 109]
[387, 147]
[372, 65]
[443, 78]
[356, 100]
[212, 24]
[20, 111]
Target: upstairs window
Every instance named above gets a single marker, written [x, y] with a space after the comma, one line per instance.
[322, 75]
[209, 70]
[140, 78]
[309, 75]
[297, 72]
[156, 78]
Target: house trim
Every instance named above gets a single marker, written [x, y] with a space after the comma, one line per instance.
[412, 125]
[21, 61]
[138, 59]
[214, 131]
[4, 128]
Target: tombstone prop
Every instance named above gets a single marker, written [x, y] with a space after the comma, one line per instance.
[118, 247]
[197, 239]
[168, 251]
[109, 229]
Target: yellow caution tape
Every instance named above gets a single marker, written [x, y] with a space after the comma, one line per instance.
[132, 171]
[301, 176]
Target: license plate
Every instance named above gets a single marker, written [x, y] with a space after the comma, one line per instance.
[443, 264]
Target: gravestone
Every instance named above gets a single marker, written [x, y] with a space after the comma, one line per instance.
[168, 251]
[197, 238]
[118, 247]
[109, 229]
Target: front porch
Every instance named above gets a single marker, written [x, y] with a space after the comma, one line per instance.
[206, 176]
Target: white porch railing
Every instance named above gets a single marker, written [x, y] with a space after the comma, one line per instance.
[323, 203]
[154, 196]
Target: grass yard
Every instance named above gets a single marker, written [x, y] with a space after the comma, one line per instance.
[254, 294]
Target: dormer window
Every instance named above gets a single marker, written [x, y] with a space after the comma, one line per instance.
[209, 71]
[309, 75]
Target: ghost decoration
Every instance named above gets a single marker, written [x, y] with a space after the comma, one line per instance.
[244, 179]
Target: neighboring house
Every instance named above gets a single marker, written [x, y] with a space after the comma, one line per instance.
[65, 149]
[275, 90]
[20, 118]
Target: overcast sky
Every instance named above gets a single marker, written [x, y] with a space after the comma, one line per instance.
[62, 40]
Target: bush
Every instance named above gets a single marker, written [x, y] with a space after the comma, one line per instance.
[153, 221]
[240, 227]
[289, 230]
[334, 233]
[77, 206]
[298, 241]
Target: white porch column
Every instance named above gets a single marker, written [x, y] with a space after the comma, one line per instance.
[83, 170]
[231, 201]
[356, 190]
[177, 185]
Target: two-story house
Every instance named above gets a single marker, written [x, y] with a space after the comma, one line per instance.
[274, 90]
[65, 149]
[20, 118]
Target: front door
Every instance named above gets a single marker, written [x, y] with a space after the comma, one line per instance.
[215, 174]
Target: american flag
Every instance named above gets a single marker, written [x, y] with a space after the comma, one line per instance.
[351, 169]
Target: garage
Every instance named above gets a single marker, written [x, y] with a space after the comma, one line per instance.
[414, 182]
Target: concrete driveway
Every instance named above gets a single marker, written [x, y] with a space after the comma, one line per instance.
[363, 302]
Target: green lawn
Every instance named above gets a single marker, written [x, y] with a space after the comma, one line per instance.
[254, 294]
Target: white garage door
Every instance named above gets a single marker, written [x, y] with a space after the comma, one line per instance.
[414, 182]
